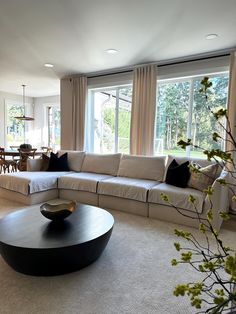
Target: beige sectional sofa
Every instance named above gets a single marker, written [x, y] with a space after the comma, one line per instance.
[122, 182]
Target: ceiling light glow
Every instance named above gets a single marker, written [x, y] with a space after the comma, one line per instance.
[48, 65]
[211, 36]
[112, 51]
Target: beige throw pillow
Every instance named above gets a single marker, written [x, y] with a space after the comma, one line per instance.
[201, 178]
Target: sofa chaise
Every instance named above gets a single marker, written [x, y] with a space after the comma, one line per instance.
[128, 183]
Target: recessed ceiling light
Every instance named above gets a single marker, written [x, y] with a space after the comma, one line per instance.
[211, 36]
[48, 65]
[112, 51]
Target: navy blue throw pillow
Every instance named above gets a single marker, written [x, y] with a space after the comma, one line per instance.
[58, 163]
[178, 175]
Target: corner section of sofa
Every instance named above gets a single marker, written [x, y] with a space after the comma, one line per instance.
[182, 211]
[30, 187]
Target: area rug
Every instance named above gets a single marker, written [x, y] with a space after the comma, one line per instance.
[132, 276]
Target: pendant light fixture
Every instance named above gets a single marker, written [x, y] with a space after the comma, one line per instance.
[24, 117]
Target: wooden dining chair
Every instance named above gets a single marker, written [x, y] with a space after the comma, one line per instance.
[46, 150]
[6, 165]
[25, 154]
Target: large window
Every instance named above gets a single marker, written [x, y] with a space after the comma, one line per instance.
[109, 119]
[17, 131]
[182, 113]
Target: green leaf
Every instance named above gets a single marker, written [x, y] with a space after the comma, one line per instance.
[220, 113]
[202, 228]
[234, 198]
[224, 215]
[186, 257]
[210, 215]
[201, 268]
[209, 265]
[174, 262]
[218, 300]
[218, 153]
[191, 199]
[164, 197]
[221, 181]
[183, 144]
[220, 292]
[180, 290]
[209, 191]
[177, 246]
[215, 136]
[193, 168]
[182, 234]
[227, 248]
[230, 266]
[196, 303]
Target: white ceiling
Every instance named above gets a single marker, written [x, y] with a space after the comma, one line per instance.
[74, 34]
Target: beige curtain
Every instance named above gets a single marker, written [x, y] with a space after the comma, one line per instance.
[73, 103]
[232, 98]
[143, 111]
[232, 113]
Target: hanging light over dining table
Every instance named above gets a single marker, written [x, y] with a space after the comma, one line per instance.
[24, 117]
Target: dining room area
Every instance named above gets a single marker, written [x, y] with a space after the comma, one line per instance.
[29, 127]
[15, 158]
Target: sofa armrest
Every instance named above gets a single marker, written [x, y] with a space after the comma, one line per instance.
[34, 164]
[219, 200]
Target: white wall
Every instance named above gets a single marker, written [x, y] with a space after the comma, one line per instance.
[4, 97]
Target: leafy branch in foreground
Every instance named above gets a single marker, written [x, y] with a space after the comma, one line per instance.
[215, 262]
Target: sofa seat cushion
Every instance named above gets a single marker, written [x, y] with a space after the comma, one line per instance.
[177, 196]
[135, 189]
[30, 182]
[82, 181]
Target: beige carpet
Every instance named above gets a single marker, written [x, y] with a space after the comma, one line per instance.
[133, 275]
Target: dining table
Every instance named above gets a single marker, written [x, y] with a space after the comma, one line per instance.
[16, 153]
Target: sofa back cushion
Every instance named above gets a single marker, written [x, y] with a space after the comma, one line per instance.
[75, 159]
[99, 163]
[142, 167]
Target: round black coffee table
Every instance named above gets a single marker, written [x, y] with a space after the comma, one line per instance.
[33, 245]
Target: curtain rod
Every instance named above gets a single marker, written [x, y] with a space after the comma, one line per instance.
[163, 65]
